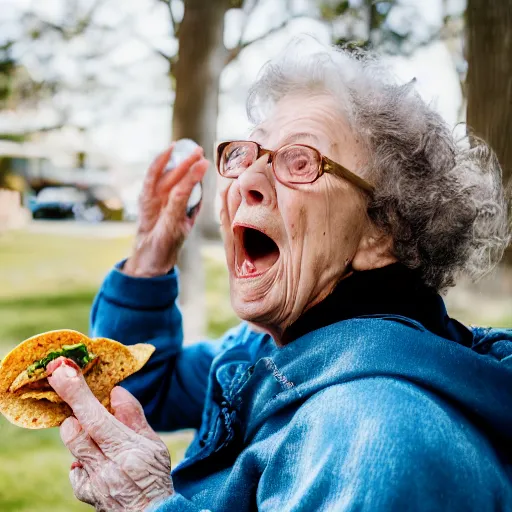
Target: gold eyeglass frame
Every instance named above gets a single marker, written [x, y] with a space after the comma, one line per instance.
[326, 165]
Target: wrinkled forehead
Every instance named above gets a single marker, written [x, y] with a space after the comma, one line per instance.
[315, 120]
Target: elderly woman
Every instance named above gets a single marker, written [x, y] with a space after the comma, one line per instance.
[345, 213]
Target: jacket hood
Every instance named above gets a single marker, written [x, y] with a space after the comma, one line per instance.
[477, 379]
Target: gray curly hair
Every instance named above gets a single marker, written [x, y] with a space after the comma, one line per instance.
[440, 199]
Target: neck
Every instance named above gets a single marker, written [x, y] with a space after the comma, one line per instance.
[393, 290]
[278, 331]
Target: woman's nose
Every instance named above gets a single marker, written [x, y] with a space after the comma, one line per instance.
[255, 183]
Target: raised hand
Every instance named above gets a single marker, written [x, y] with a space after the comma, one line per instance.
[163, 223]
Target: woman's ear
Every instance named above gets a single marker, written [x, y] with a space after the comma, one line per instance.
[375, 250]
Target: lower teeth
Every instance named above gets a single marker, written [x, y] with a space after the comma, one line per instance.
[247, 268]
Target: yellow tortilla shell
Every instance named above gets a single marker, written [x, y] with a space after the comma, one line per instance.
[141, 352]
[40, 395]
[43, 409]
[24, 378]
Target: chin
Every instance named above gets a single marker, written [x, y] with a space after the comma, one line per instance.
[257, 311]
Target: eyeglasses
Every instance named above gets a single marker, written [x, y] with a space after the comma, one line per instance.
[292, 164]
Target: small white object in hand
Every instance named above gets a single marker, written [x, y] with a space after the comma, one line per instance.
[182, 150]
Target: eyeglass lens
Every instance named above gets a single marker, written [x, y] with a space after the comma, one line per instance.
[292, 164]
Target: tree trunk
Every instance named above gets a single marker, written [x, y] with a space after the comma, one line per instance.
[489, 80]
[202, 57]
[197, 73]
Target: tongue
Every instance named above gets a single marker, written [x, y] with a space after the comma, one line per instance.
[247, 268]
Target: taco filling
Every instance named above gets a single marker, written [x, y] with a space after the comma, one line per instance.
[34, 377]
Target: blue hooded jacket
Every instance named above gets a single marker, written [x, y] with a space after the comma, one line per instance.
[371, 413]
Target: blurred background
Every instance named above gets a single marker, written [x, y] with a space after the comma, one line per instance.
[92, 90]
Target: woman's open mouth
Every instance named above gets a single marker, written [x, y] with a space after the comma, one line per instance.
[255, 252]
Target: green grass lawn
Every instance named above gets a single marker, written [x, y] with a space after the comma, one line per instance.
[48, 282]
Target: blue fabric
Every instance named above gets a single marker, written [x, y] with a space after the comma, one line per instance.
[390, 290]
[370, 414]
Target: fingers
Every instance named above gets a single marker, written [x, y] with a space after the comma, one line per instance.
[102, 427]
[178, 196]
[82, 487]
[170, 179]
[91, 488]
[81, 446]
[90, 462]
[155, 171]
[128, 411]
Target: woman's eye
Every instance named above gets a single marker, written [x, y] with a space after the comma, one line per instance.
[238, 158]
[301, 163]
[298, 163]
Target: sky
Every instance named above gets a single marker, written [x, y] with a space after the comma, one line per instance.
[134, 115]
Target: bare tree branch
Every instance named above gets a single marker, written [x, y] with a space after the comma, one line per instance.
[63, 122]
[233, 53]
[168, 58]
[451, 29]
[175, 24]
[72, 27]
[94, 7]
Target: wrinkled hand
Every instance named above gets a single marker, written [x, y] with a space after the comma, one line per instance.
[121, 463]
[163, 222]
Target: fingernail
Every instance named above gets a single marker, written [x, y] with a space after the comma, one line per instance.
[67, 371]
[70, 372]
[68, 365]
[69, 429]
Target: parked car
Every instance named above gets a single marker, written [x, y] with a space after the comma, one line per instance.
[106, 201]
[92, 204]
[58, 203]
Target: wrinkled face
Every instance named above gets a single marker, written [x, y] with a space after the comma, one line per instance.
[288, 246]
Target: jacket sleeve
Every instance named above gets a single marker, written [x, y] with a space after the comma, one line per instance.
[172, 385]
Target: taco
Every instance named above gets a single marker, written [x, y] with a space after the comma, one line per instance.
[26, 397]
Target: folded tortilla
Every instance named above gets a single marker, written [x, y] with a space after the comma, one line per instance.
[27, 400]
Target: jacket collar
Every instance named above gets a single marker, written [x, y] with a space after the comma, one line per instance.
[391, 290]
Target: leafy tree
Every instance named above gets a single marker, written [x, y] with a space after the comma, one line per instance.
[7, 69]
[41, 42]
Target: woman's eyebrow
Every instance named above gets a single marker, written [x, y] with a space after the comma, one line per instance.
[300, 136]
[258, 132]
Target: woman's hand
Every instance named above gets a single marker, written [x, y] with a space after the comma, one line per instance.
[121, 463]
[163, 222]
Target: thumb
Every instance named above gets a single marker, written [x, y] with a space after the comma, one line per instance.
[127, 410]
[66, 378]
[179, 195]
